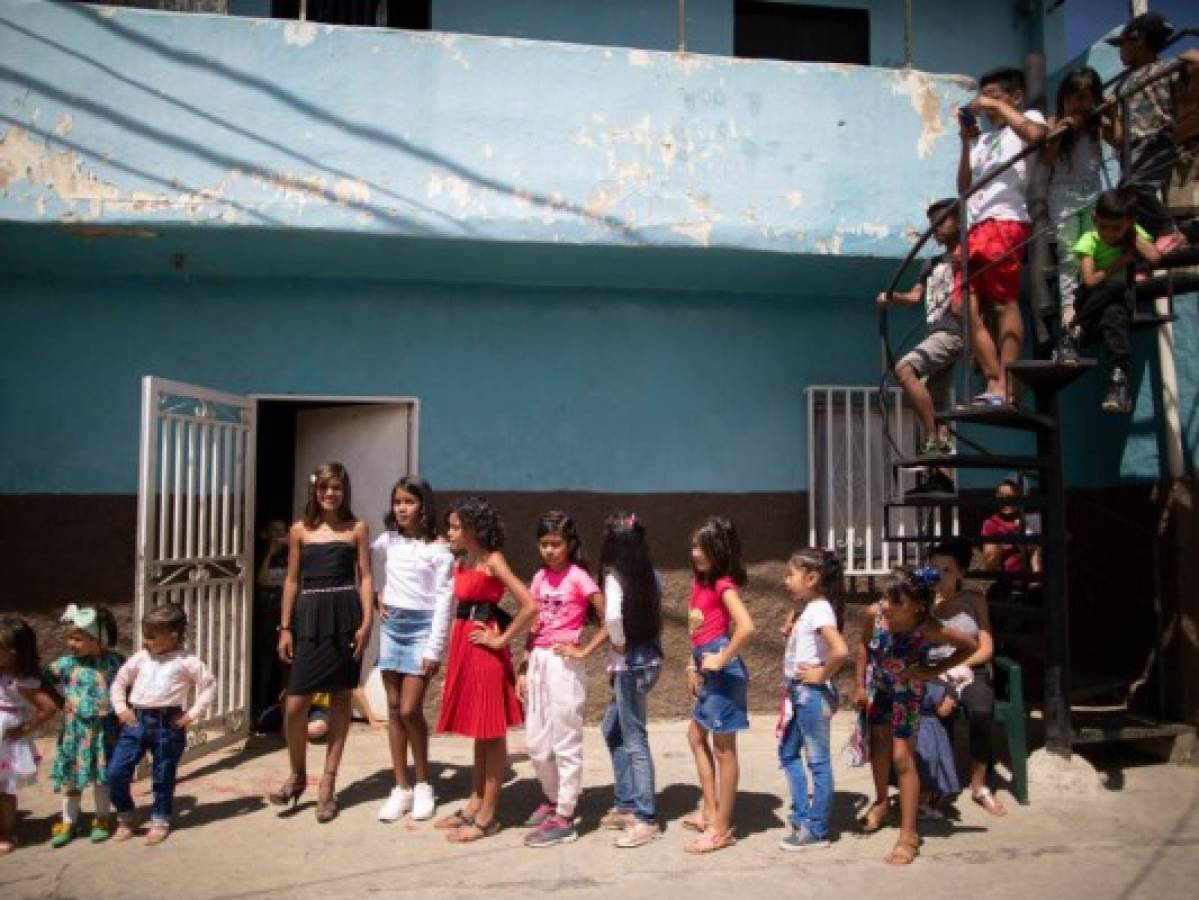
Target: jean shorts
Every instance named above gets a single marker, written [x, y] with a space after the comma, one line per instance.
[403, 636]
[722, 706]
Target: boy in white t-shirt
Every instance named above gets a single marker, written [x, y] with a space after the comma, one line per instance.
[815, 652]
[999, 220]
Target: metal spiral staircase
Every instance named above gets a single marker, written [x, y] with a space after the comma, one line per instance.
[1035, 616]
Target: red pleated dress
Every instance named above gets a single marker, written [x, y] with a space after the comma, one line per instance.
[479, 697]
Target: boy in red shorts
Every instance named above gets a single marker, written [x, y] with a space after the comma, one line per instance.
[1000, 224]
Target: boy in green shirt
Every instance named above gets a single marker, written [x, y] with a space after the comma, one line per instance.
[1101, 307]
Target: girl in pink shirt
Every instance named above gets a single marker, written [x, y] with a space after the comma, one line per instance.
[553, 680]
[717, 678]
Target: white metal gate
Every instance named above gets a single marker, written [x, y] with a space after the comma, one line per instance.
[195, 515]
[849, 476]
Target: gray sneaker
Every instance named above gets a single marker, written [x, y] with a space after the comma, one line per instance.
[802, 839]
[537, 817]
[554, 830]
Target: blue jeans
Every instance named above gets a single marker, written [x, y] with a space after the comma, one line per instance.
[156, 732]
[809, 730]
[624, 729]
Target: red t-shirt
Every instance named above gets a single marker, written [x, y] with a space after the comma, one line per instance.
[999, 527]
[707, 615]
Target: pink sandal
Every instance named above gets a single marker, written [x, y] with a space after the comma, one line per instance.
[710, 841]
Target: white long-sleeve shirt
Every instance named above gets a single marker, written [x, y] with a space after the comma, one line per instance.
[153, 682]
[418, 575]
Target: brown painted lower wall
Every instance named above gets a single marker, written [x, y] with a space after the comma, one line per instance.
[58, 548]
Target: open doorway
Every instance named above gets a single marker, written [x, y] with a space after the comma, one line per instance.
[375, 438]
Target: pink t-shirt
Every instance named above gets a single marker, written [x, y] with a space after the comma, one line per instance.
[561, 605]
[999, 527]
[708, 617]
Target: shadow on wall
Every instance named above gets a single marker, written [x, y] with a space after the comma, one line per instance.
[183, 58]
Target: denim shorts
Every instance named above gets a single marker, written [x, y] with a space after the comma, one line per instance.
[403, 636]
[722, 706]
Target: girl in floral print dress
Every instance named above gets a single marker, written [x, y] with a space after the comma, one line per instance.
[90, 727]
[891, 671]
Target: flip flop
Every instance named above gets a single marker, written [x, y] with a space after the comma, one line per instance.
[695, 822]
[989, 400]
[988, 801]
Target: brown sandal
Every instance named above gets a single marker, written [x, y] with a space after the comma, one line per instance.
[870, 823]
[326, 809]
[472, 831]
[454, 820]
[903, 853]
[710, 841]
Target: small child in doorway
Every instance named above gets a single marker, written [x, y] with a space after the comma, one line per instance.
[816, 651]
[1101, 308]
[83, 678]
[1000, 223]
[149, 694]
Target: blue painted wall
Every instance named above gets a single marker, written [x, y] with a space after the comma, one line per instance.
[945, 37]
[123, 116]
[521, 389]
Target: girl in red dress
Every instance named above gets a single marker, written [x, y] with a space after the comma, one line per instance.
[479, 697]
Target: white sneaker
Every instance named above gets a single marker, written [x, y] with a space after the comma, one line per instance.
[423, 803]
[399, 801]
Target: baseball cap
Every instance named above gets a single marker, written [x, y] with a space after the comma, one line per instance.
[1150, 27]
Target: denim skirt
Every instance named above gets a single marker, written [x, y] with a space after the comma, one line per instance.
[722, 706]
[403, 636]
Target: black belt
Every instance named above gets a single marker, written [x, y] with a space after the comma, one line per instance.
[483, 612]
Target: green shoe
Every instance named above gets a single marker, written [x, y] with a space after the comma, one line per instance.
[62, 834]
[101, 830]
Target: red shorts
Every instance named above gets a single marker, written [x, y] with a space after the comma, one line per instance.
[997, 255]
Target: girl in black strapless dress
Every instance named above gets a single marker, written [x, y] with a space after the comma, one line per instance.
[325, 624]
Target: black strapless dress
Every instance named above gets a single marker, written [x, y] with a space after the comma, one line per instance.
[328, 612]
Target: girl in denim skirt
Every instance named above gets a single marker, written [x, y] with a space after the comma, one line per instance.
[717, 678]
[414, 575]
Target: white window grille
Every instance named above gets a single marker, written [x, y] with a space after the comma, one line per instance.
[850, 479]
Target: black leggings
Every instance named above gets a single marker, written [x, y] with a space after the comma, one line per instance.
[978, 699]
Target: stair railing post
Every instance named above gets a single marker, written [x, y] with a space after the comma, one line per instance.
[967, 335]
[1058, 727]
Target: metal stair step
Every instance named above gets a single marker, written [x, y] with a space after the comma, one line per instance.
[999, 417]
[974, 540]
[972, 461]
[974, 501]
[1046, 374]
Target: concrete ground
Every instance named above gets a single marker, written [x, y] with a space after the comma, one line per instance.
[1137, 837]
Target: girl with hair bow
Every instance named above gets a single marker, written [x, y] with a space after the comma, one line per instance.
[89, 731]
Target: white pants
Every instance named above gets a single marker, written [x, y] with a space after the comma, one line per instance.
[554, 725]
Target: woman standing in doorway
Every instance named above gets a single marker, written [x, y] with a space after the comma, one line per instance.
[325, 625]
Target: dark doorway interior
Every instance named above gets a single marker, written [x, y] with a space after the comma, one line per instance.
[801, 33]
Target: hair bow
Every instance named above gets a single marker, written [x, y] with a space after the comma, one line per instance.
[84, 618]
[630, 521]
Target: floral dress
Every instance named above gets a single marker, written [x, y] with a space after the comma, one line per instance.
[90, 731]
[892, 699]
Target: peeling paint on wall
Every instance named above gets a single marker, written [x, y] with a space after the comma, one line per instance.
[918, 88]
[299, 34]
[23, 158]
